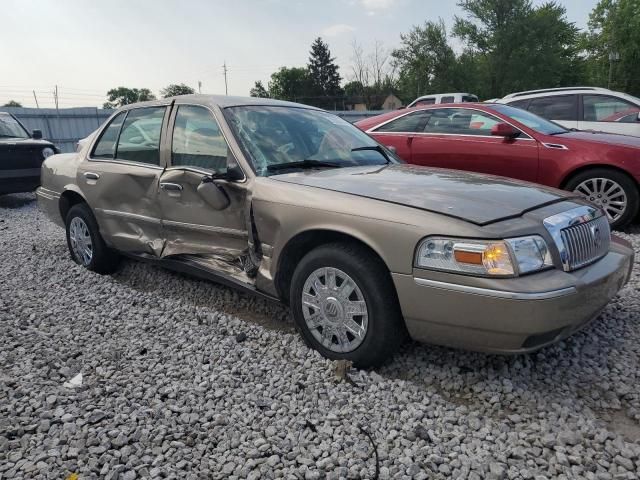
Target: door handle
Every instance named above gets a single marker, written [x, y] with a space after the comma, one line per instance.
[171, 187]
[91, 176]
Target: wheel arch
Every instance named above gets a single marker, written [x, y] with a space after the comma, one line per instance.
[69, 197]
[302, 243]
[593, 166]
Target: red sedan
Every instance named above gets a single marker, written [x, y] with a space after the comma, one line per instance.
[503, 140]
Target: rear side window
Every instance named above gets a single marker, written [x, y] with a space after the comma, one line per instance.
[603, 108]
[557, 107]
[447, 100]
[140, 137]
[197, 140]
[106, 146]
[425, 101]
[469, 98]
[413, 122]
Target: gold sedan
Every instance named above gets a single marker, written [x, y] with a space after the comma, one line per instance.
[296, 204]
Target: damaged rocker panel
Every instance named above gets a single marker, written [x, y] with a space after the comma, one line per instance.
[191, 266]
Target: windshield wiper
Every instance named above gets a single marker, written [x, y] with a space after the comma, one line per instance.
[304, 164]
[376, 148]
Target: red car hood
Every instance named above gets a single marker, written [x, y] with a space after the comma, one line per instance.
[599, 137]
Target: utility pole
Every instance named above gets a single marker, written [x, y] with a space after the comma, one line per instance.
[55, 97]
[224, 70]
[36, 99]
[613, 57]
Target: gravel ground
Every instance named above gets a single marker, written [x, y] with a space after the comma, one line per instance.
[187, 379]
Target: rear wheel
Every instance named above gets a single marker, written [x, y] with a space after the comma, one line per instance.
[345, 305]
[613, 191]
[86, 246]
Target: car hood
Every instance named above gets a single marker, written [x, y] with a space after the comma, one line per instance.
[21, 143]
[476, 198]
[600, 137]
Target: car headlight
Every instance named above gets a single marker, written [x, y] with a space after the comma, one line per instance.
[47, 152]
[508, 257]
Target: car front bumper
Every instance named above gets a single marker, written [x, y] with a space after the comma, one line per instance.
[510, 315]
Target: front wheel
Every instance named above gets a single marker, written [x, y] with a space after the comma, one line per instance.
[345, 305]
[613, 191]
[86, 246]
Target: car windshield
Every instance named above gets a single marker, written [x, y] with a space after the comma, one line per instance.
[273, 137]
[11, 128]
[529, 119]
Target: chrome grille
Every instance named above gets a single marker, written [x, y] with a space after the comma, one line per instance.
[582, 236]
[586, 242]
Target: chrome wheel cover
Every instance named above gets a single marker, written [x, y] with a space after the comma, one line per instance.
[334, 310]
[605, 193]
[80, 238]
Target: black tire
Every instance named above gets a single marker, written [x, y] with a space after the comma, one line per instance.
[103, 259]
[386, 329]
[629, 186]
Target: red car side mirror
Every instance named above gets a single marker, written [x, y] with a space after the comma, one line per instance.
[504, 130]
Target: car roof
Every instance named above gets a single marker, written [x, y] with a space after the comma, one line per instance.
[443, 95]
[556, 90]
[373, 121]
[220, 101]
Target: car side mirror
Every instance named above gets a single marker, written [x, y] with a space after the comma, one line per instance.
[638, 117]
[504, 130]
[36, 134]
[213, 194]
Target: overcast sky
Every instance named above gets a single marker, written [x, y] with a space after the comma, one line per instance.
[88, 47]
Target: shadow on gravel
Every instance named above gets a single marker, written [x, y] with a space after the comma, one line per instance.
[16, 200]
[178, 287]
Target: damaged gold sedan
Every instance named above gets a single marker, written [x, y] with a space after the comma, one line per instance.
[298, 205]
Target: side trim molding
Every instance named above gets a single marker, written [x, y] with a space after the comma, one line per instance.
[131, 216]
[563, 292]
[205, 228]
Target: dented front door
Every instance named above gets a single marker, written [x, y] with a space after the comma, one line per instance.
[202, 216]
[120, 177]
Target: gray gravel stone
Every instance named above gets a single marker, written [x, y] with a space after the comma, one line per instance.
[169, 392]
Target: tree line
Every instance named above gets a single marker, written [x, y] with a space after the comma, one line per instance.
[503, 46]
[506, 46]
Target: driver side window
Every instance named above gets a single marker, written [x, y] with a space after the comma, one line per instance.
[197, 140]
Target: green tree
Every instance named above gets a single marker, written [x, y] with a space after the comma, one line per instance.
[117, 97]
[425, 61]
[12, 103]
[518, 46]
[175, 90]
[291, 84]
[614, 28]
[323, 71]
[354, 88]
[258, 90]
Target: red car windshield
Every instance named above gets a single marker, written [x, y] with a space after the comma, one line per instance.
[531, 120]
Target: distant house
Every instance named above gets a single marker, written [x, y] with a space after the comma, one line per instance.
[373, 102]
[391, 102]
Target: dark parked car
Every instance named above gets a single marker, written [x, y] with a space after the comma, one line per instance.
[507, 141]
[21, 155]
